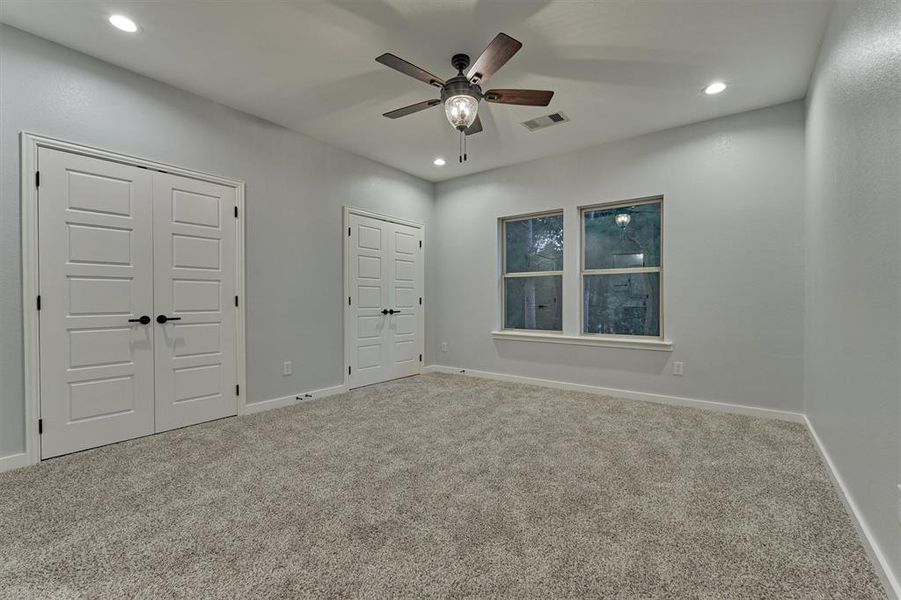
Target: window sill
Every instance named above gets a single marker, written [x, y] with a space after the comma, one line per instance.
[586, 340]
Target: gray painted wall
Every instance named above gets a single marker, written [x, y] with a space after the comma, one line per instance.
[296, 187]
[734, 248]
[853, 275]
[733, 259]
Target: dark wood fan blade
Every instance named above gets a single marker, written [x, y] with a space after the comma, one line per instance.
[476, 126]
[523, 97]
[408, 68]
[498, 52]
[409, 110]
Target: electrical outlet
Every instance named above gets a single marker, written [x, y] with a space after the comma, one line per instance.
[444, 346]
[287, 367]
[678, 367]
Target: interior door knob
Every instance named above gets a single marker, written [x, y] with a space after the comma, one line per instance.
[163, 318]
[143, 320]
[384, 311]
[393, 312]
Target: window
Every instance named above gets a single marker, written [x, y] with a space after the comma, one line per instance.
[532, 272]
[620, 274]
[621, 269]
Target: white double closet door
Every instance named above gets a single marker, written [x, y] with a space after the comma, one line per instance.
[137, 275]
[384, 325]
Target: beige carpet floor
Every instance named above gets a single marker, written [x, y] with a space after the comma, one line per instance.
[439, 486]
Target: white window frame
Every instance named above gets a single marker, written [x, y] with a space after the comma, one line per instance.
[504, 276]
[583, 272]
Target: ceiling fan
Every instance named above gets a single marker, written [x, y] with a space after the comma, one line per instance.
[461, 93]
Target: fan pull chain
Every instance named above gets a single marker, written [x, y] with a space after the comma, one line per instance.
[463, 158]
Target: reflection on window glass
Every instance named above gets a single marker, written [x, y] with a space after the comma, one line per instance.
[622, 304]
[534, 244]
[533, 303]
[628, 236]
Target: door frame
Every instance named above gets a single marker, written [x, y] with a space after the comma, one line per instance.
[348, 343]
[29, 145]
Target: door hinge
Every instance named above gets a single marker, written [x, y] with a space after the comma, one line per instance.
[420, 243]
[348, 232]
[237, 390]
[348, 300]
[39, 302]
[348, 370]
[236, 212]
[420, 299]
[420, 358]
[236, 301]
[37, 179]
[40, 426]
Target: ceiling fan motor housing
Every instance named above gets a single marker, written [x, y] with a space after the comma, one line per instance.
[460, 86]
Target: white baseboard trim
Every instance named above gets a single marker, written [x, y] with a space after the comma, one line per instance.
[739, 409]
[877, 558]
[256, 407]
[17, 461]
[14, 461]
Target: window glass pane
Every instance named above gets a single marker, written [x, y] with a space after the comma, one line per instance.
[533, 303]
[627, 304]
[534, 244]
[633, 242]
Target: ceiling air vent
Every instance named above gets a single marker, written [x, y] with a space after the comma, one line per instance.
[545, 121]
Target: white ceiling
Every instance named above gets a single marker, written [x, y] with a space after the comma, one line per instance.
[619, 68]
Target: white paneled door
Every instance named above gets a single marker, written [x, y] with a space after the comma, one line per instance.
[384, 324]
[136, 278]
[194, 299]
[96, 278]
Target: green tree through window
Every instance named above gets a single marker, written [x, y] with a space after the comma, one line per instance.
[621, 269]
[533, 269]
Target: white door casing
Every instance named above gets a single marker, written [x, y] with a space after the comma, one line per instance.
[95, 266]
[195, 290]
[88, 235]
[384, 271]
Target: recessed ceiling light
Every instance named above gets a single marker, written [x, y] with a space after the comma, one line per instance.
[124, 23]
[715, 88]
[439, 162]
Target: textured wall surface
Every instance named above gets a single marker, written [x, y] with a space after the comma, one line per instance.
[853, 274]
[733, 259]
[296, 187]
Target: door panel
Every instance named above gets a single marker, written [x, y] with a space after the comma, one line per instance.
[99, 296]
[368, 239]
[194, 281]
[95, 273]
[404, 332]
[386, 272]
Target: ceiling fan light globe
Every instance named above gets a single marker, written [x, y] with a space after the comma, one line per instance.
[461, 110]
